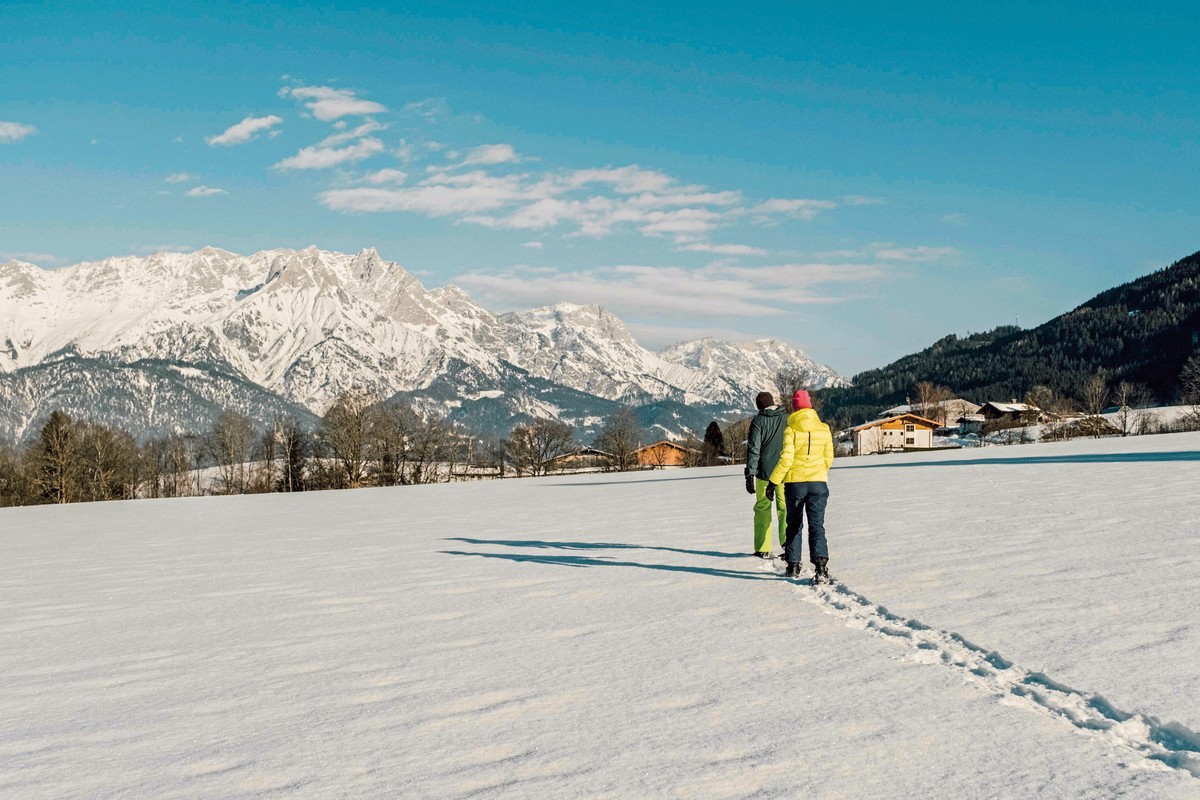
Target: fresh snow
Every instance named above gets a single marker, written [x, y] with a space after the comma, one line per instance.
[1010, 622]
[310, 324]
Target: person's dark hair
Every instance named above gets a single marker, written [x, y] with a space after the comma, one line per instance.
[764, 400]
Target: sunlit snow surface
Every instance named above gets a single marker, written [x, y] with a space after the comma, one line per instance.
[1012, 622]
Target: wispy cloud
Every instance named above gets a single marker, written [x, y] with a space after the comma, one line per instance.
[180, 177]
[204, 191]
[916, 254]
[491, 154]
[386, 176]
[11, 132]
[326, 103]
[324, 157]
[368, 127]
[430, 108]
[244, 131]
[719, 289]
[806, 209]
[534, 245]
[725, 249]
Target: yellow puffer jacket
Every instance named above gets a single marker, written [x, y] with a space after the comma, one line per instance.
[807, 450]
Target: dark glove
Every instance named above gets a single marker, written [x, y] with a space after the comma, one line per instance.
[750, 484]
[770, 492]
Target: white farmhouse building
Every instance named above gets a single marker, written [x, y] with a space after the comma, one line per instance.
[901, 432]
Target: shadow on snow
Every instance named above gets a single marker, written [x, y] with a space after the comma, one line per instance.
[603, 561]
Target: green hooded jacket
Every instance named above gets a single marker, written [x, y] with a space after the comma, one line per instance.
[765, 442]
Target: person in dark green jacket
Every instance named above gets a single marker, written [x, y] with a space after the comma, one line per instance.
[763, 446]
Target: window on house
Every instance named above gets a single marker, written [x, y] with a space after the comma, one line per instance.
[910, 441]
[909, 428]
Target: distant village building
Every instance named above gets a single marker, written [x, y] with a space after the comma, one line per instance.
[584, 458]
[944, 412]
[971, 423]
[1012, 412]
[665, 454]
[893, 434]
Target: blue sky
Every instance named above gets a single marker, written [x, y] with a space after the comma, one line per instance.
[856, 179]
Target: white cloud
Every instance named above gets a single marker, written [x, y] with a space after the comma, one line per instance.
[325, 157]
[326, 103]
[11, 132]
[534, 245]
[921, 253]
[626, 180]
[801, 209]
[433, 200]
[491, 154]
[180, 177]
[244, 131]
[386, 176]
[430, 109]
[725, 249]
[719, 289]
[204, 191]
[957, 218]
[368, 127]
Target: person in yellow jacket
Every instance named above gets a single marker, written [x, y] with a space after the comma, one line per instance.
[803, 470]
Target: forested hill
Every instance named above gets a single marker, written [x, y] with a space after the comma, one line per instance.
[1142, 332]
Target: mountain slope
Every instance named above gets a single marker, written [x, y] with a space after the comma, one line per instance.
[148, 398]
[1142, 331]
[307, 325]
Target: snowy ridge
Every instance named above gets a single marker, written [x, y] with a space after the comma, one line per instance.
[1167, 743]
[310, 324]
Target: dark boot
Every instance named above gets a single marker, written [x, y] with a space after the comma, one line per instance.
[821, 571]
[794, 569]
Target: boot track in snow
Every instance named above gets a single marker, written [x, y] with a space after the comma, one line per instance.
[1167, 743]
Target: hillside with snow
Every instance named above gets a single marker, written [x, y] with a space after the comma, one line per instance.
[1017, 628]
[307, 325]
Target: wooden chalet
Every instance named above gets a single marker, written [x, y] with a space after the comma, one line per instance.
[1011, 412]
[665, 453]
[584, 458]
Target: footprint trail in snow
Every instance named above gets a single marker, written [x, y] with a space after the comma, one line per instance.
[1166, 743]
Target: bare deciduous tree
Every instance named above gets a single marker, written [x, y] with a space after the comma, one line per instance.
[1130, 398]
[346, 432]
[620, 437]
[230, 444]
[434, 444]
[736, 433]
[393, 435]
[931, 401]
[534, 446]
[788, 381]
[1094, 395]
[57, 459]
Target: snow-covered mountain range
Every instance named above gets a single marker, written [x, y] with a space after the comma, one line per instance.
[304, 326]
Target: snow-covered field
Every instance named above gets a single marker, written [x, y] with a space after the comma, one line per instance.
[1012, 623]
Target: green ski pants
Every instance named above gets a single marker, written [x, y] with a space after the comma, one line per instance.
[762, 516]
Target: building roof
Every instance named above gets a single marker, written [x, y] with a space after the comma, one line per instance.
[919, 420]
[954, 403]
[1011, 408]
[667, 442]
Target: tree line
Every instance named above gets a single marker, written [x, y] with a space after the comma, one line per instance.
[360, 441]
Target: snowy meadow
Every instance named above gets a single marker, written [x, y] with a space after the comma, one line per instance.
[1008, 622]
